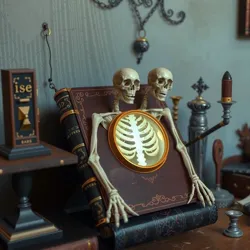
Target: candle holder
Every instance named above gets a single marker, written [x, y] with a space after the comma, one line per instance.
[175, 100]
[226, 111]
[226, 103]
[233, 230]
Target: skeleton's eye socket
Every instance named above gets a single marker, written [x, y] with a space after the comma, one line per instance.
[127, 82]
[137, 83]
[170, 82]
[161, 80]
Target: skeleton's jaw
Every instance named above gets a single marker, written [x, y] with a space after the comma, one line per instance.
[128, 96]
[160, 95]
[130, 99]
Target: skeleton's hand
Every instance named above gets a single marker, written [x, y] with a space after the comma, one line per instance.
[203, 193]
[120, 208]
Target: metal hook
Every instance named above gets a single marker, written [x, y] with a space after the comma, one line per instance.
[46, 31]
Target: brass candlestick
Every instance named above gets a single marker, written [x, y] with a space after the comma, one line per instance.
[175, 100]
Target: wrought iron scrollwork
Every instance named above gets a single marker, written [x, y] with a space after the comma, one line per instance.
[145, 3]
[110, 5]
[166, 14]
[141, 44]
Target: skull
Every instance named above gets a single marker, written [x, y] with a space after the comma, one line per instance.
[126, 81]
[161, 81]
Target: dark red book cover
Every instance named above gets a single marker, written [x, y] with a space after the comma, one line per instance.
[167, 187]
[244, 18]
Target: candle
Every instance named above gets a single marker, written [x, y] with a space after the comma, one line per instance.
[226, 88]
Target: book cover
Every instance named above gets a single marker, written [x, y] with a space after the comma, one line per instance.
[167, 187]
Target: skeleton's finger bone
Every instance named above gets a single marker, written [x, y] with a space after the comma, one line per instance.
[117, 215]
[130, 210]
[122, 211]
[209, 193]
[192, 194]
[199, 194]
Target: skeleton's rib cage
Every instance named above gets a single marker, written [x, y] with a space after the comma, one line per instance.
[139, 141]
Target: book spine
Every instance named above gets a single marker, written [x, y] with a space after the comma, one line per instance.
[76, 143]
[151, 227]
[247, 18]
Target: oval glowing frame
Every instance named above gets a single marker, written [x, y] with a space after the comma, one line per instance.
[128, 164]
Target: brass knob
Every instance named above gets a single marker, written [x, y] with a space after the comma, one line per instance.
[248, 187]
[235, 185]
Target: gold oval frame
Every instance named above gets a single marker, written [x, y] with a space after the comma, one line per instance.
[128, 164]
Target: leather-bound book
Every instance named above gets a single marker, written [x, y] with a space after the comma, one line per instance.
[244, 18]
[159, 197]
[162, 224]
[73, 133]
[167, 187]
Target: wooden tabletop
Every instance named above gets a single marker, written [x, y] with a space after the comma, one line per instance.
[57, 158]
[206, 238]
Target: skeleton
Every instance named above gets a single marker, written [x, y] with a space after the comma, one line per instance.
[160, 81]
[126, 83]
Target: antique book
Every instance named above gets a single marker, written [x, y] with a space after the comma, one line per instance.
[159, 197]
[162, 224]
[244, 18]
[154, 226]
[167, 187]
[237, 168]
[77, 145]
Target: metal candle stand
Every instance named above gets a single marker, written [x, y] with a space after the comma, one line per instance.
[233, 230]
[226, 119]
[175, 100]
[198, 125]
[226, 102]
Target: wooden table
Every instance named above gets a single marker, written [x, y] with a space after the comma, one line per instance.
[206, 238]
[27, 226]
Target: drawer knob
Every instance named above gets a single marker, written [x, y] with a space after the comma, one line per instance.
[235, 185]
[248, 187]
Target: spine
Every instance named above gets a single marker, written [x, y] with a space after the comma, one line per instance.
[165, 223]
[247, 18]
[75, 139]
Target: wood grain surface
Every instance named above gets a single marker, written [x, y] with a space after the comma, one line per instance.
[207, 238]
[57, 158]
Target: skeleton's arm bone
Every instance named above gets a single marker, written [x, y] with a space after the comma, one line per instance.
[197, 184]
[97, 119]
[115, 200]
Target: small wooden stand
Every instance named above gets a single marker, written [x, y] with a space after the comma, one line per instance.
[26, 226]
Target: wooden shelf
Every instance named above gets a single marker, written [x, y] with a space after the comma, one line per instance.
[57, 158]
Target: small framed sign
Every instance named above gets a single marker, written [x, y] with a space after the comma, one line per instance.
[21, 115]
